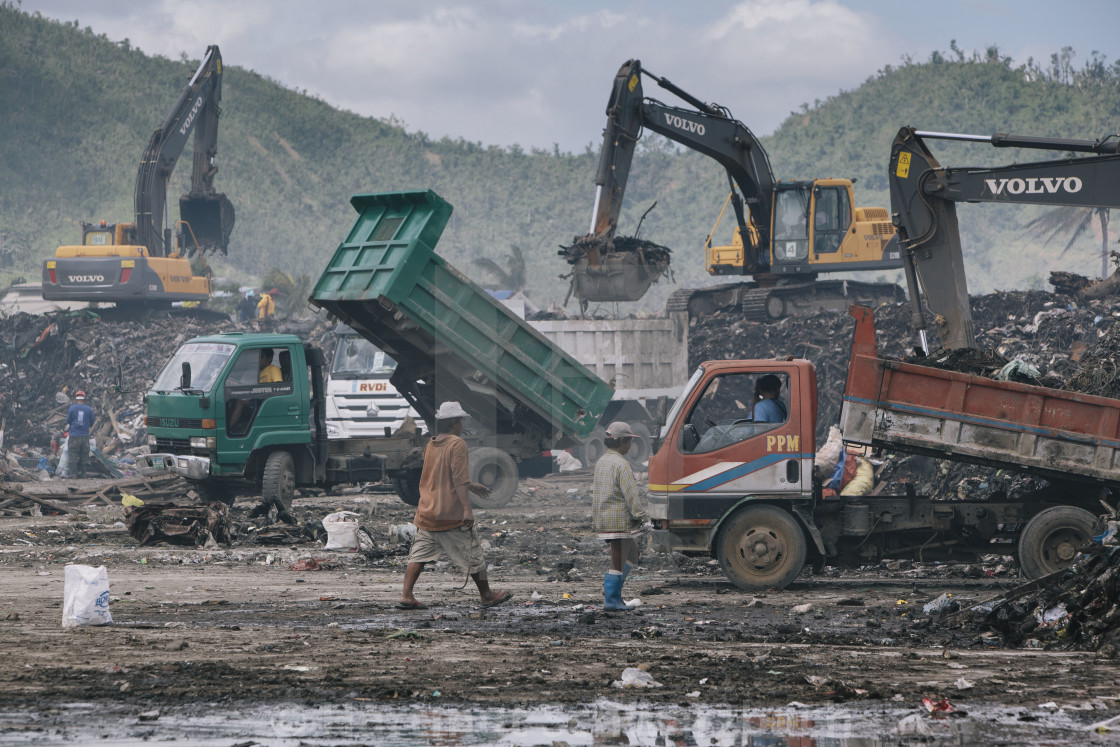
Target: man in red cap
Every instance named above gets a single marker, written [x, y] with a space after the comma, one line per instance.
[79, 421]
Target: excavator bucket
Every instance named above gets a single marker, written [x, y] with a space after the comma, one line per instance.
[208, 222]
[621, 270]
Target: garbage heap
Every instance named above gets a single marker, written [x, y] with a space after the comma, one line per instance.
[1078, 608]
[44, 360]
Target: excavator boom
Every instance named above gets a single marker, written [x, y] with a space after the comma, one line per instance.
[923, 205]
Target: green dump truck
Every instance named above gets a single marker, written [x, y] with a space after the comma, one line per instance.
[237, 413]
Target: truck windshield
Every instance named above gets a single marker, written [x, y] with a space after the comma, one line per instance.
[672, 416]
[355, 357]
[207, 359]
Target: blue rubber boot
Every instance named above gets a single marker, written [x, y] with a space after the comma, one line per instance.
[626, 570]
[612, 593]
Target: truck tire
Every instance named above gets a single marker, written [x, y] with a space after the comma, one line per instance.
[1051, 539]
[761, 547]
[278, 481]
[641, 446]
[594, 447]
[408, 488]
[496, 470]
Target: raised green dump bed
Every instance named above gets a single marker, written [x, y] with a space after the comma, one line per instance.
[451, 339]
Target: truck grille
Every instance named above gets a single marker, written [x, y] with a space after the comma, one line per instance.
[153, 421]
[172, 446]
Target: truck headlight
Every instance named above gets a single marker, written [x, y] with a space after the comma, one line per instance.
[204, 442]
[151, 441]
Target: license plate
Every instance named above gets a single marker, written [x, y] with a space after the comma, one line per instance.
[157, 462]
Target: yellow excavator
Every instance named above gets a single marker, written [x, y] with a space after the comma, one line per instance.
[141, 264]
[786, 232]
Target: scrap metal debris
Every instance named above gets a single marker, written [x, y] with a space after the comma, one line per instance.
[180, 525]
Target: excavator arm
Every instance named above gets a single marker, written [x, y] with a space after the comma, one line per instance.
[708, 129]
[923, 208]
[208, 216]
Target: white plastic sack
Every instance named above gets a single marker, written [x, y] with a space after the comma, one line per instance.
[86, 596]
[342, 531]
[634, 677]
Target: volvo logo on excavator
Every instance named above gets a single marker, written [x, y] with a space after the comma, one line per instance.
[86, 278]
[672, 120]
[190, 116]
[1042, 185]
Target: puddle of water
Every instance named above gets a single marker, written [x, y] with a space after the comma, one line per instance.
[601, 722]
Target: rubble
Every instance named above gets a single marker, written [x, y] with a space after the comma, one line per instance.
[1077, 608]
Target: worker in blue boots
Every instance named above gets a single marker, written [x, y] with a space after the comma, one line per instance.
[619, 513]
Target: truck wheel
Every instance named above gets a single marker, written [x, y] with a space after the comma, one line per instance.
[594, 447]
[1051, 539]
[408, 488]
[496, 470]
[761, 547]
[278, 482]
[641, 446]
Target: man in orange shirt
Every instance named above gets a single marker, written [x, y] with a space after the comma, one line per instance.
[444, 518]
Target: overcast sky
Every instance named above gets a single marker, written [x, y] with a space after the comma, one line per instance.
[538, 72]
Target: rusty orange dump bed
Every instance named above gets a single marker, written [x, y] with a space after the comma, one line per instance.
[1056, 434]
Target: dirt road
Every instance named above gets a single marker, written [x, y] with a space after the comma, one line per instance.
[239, 624]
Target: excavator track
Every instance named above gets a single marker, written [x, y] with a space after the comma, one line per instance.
[772, 303]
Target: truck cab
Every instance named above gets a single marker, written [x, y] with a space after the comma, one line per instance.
[223, 401]
[724, 454]
[361, 401]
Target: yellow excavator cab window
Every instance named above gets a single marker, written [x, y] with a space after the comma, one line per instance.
[99, 238]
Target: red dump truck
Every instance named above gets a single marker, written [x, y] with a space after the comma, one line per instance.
[744, 491]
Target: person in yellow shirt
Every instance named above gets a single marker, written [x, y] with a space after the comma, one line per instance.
[269, 373]
[266, 307]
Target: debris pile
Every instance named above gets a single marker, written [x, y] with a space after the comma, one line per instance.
[197, 526]
[1077, 608]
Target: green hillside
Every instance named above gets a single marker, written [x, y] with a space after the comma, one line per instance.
[77, 109]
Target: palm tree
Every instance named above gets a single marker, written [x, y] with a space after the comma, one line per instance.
[512, 277]
[1073, 221]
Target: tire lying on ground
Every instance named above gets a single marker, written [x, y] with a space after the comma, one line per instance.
[496, 470]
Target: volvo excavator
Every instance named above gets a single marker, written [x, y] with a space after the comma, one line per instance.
[923, 206]
[786, 232]
[141, 264]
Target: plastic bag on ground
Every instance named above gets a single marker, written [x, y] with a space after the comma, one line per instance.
[86, 596]
[342, 531]
[634, 677]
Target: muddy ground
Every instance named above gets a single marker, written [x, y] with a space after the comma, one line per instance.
[239, 624]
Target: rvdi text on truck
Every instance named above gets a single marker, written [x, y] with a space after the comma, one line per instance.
[744, 491]
[219, 415]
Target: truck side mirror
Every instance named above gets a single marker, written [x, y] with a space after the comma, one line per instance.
[689, 437]
[185, 379]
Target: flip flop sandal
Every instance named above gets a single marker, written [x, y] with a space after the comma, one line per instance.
[505, 596]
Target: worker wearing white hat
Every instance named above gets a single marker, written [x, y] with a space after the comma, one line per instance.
[444, 518]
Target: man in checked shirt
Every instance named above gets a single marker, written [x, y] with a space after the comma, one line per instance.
[619, 512]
